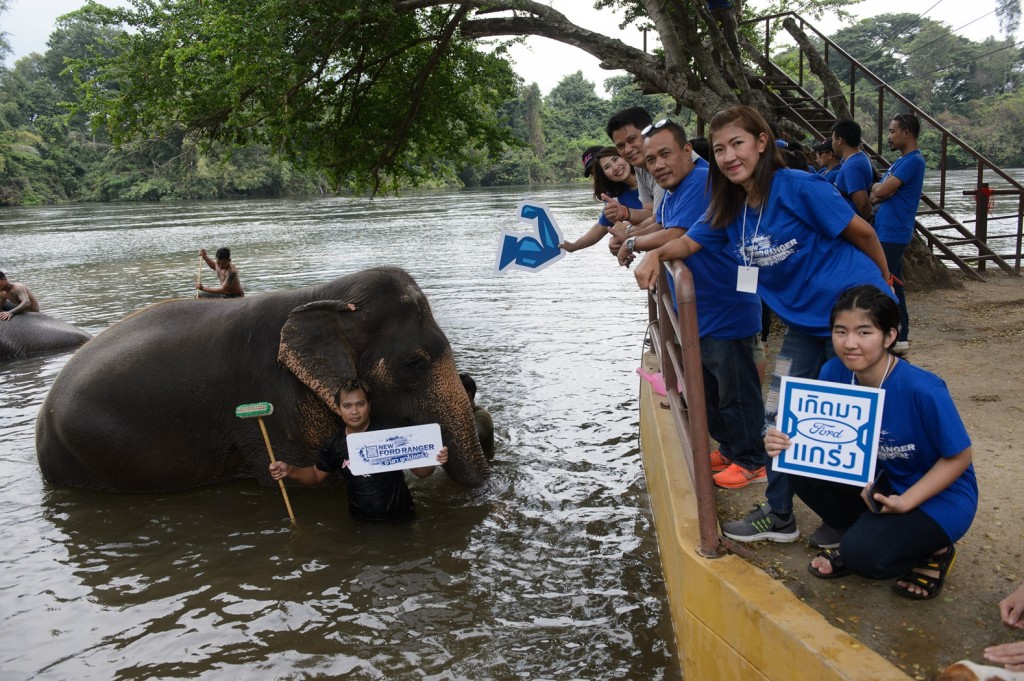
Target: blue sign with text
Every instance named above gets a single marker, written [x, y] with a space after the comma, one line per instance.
[833, 430]
[533, 250]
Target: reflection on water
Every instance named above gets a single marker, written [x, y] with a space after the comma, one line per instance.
[550, 571]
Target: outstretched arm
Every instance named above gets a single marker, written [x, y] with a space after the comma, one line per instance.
[589, 238]
[646, 272]
[304, 475]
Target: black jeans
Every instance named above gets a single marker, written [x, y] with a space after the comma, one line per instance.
[876, 546]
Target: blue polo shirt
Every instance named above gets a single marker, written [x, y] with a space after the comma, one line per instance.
[795, 241]
[894, 219]
[722, 312]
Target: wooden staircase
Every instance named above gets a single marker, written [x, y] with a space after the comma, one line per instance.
[949, 237]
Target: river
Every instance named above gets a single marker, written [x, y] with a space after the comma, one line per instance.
[549, 572]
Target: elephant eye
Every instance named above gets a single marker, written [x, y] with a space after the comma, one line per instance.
[415, 365]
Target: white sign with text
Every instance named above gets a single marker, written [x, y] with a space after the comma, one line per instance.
[833, 429]
[393, 449]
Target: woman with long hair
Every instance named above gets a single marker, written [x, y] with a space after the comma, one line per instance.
[924, 452]
[614, 178]
[797, 244]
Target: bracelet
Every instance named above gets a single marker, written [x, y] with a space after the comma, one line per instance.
[627, 214]
[893, 280]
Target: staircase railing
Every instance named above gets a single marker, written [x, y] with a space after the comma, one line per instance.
[949, 248]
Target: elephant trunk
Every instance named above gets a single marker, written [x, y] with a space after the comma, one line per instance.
[447, 403]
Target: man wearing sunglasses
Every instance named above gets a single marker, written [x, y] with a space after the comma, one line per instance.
[626, 128]
[895, 198]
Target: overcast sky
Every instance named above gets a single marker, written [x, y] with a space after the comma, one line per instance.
[29, 22]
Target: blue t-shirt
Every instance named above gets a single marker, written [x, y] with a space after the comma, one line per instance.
[722, 311]
[630, 199]
[794, 241]
[920, 425]
[894, 219]
[855, 174]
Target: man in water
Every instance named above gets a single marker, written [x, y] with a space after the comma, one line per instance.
[227, 273]
[15, 298]
[484, 422]
[378, 496]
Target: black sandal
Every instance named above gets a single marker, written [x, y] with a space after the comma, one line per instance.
[931, 586]
[839, 568]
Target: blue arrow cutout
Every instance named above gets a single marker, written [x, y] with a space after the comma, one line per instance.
[523, 250]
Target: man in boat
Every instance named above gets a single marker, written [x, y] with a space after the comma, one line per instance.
[227, 273]
[15, 298]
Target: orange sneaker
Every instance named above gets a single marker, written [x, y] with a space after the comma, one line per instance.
[736, 476]
[719, 462]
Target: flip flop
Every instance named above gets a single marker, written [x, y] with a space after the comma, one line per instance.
[839, 568]
[931, 586]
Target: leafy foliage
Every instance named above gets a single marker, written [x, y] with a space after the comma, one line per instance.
[371, 95]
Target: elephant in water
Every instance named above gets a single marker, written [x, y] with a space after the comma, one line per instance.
[31, 333]
[149, 404]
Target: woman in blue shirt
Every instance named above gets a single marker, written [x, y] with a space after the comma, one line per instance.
[923, 449]
[613, 178]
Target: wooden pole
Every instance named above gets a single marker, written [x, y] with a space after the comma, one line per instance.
[270, 451]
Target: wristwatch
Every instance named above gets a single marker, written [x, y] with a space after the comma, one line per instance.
[631, 244]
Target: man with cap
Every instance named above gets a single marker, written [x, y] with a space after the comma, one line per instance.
[828, 164]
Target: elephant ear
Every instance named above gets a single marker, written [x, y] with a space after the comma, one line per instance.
[315, 347]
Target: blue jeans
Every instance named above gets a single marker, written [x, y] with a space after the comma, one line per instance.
[801, 356]
[732, 391]
[894, 259]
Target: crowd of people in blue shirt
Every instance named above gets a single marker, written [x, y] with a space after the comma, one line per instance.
[822, 248]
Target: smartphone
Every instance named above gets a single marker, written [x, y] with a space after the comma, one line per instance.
[881, 485]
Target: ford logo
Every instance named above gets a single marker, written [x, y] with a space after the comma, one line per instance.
[826, 430]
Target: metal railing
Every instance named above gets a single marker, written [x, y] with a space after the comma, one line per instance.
[676, 343]
[870, 82]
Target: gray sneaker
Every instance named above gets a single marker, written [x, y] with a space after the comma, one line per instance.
[825, 537]
[760, 525]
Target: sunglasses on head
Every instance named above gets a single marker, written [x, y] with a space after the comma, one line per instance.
[654, 126]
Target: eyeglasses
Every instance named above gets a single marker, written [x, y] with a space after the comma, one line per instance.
[654, 126]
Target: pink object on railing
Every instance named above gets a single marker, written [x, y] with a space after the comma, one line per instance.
[656, 380]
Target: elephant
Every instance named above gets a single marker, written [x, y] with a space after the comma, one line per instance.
[149, 404]
[31, 333]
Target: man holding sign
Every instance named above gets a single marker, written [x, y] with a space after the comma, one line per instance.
[378, 496]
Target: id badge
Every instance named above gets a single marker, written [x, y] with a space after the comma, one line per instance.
[746, 279]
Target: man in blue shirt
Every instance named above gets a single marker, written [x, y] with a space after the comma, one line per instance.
[728, 321]
[856, 174]
[895, 198]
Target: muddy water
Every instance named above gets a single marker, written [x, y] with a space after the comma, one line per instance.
[551, 571]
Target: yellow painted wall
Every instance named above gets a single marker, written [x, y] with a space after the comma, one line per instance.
[732, 620]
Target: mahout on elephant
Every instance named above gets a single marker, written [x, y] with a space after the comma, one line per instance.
[148, 405]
